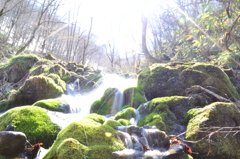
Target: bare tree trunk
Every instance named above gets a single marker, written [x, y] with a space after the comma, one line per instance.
[149, 57]
[86, 43]
[43, 10]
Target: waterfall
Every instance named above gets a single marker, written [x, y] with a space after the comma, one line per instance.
[117, 102]
[80, 103]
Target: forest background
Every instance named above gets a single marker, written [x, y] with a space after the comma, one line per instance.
[181, 30]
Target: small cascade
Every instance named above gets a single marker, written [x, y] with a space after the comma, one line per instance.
[80, 103]
[148, 142]
[73, 89]
[117, 102]
[135, 120]
[126, 138]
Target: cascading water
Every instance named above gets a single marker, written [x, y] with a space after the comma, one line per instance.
[80, 103]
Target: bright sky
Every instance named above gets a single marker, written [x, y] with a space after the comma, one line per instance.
[116, 21]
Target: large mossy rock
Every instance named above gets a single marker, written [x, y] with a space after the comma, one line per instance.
[59, 105]
[32, 121]
[103, 106]
[38, 88]
[126, 113]
[18, 67]
[171, 79]
[61, 72]
[133, 97]
[166, 113]
[90, 137]
[222, 145]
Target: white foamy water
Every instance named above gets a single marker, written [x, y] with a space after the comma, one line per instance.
[80, 103]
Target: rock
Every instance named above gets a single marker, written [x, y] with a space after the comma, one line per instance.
[166, 113]
[61, 72]
[103, 105]
[11, 143]
[54, 105]
[133, 97]
[222, 145]
[18, 67]
[160, 80]
[10, 128]
[38, 88]
[126, 113]
[49, 57]
[86, 137]
[32, 121]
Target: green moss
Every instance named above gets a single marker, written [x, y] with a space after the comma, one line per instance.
[33, 121]
[38, 70]
[161, 80]
[124, 122]
[127, 113]
[101, 140]
[61, 72]
[112, 123]
[165, 112]
[190, 114]
[58, 80]
[104, 104]
[215, 115]
[133, 97]
[156, 119]
[49, 57]
[52, 104]
[36, 88]
[71, 148]
[18, 66]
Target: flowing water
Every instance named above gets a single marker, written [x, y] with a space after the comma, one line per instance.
[80, 103]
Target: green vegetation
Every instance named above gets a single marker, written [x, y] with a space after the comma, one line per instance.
[171, 79]
[133, 97]
[53, 104]
[164, 112]
[127, 113]
[124, 122]
[112, 123]
[216, 114]
[45, 86]
[33, 121]
[100, 139]
[103, 105]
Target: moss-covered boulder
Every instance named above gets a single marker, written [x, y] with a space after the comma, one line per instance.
[218, 145]
[127, 113]
[124, 122]
[94, 77]
[90, 135]
[113, 123]
[171, 79]
[49, 57]
[104, 105]
[18, 67]
[59, 105]
[166, 113]
[133, 97]
[70, 148]
[61, 72]
[33, 121]
[37, 88]
[74, 67]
